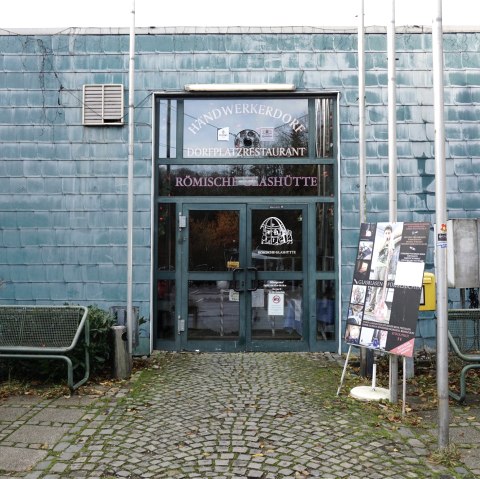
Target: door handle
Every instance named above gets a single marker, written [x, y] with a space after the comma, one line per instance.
[255, 279]
[236, 281]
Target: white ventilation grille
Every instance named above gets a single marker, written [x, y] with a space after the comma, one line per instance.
[103, 104]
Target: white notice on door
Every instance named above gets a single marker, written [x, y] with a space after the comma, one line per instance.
[223, 134]
[233, 295]
[258, 298]
[275, 303]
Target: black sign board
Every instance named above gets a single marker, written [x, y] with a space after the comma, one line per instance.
[387, 286]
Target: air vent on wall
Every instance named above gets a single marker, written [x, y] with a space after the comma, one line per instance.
[103, 104]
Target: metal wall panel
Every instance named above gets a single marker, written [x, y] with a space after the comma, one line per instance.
[463, 256]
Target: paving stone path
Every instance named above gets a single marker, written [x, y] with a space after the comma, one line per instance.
[251, 415]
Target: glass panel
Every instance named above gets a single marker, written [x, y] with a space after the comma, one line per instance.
[277, 240]
[325, 310]
[213, 240]
[324, 124]
[277, 311]
[246, 180]
[325, 236]
[325, 185]
[167, 128]
[213, 310]
[165, 309]
[246, 127]
[166, 236]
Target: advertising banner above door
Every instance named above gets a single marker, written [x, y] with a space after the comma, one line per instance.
[387, 286]
[229, 128]
[246, 180]
[235, 128]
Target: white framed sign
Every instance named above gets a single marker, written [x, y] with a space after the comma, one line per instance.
[276, 302]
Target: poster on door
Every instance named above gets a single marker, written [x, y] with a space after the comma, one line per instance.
[387, 286]
[276, 303]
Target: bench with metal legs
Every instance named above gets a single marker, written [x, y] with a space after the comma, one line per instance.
[45, 332]
[464, 339]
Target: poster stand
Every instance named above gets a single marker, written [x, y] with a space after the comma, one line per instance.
[385, 296]
[344, 369]
[404, 389]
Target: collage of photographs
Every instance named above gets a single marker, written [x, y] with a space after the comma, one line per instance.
[387, 284]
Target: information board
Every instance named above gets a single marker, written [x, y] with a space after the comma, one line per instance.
[387, 285]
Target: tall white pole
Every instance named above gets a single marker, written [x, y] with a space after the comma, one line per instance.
[131, 114]
[362, 153]
[392, 118]
[441, 219]
[392, 164]
[365, 354]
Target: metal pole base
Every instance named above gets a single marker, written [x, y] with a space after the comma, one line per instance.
[368, 393]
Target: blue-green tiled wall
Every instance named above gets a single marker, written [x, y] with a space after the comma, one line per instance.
[63, 186]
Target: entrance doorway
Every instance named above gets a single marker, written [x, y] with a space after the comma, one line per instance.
[245, 252]
[244, 277]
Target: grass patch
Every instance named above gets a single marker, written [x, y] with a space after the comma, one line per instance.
[448, 457]
[16, 387]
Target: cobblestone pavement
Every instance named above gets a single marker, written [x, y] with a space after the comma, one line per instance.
[251, 415]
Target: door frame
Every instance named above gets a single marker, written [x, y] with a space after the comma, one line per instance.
[245, 341]
[281, 344]
[184, 343]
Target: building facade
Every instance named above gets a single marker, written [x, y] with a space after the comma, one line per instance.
[246, 199]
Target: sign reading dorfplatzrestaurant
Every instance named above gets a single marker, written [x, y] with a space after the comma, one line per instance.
[387, 286]
[242, 128]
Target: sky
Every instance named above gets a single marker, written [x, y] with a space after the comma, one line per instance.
[217, 13]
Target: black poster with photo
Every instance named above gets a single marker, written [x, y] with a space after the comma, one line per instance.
[387, 285]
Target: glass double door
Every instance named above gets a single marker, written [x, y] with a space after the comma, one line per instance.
[244, 279]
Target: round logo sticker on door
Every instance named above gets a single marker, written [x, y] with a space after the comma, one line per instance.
[274, 232]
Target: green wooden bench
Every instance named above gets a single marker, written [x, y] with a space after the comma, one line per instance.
[464, 338]
[47, 332]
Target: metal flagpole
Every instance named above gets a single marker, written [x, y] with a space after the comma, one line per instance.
[361, 160]
[392, 165]
[441, 222]
[362, 146]
[131, 112]
[362, 154]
